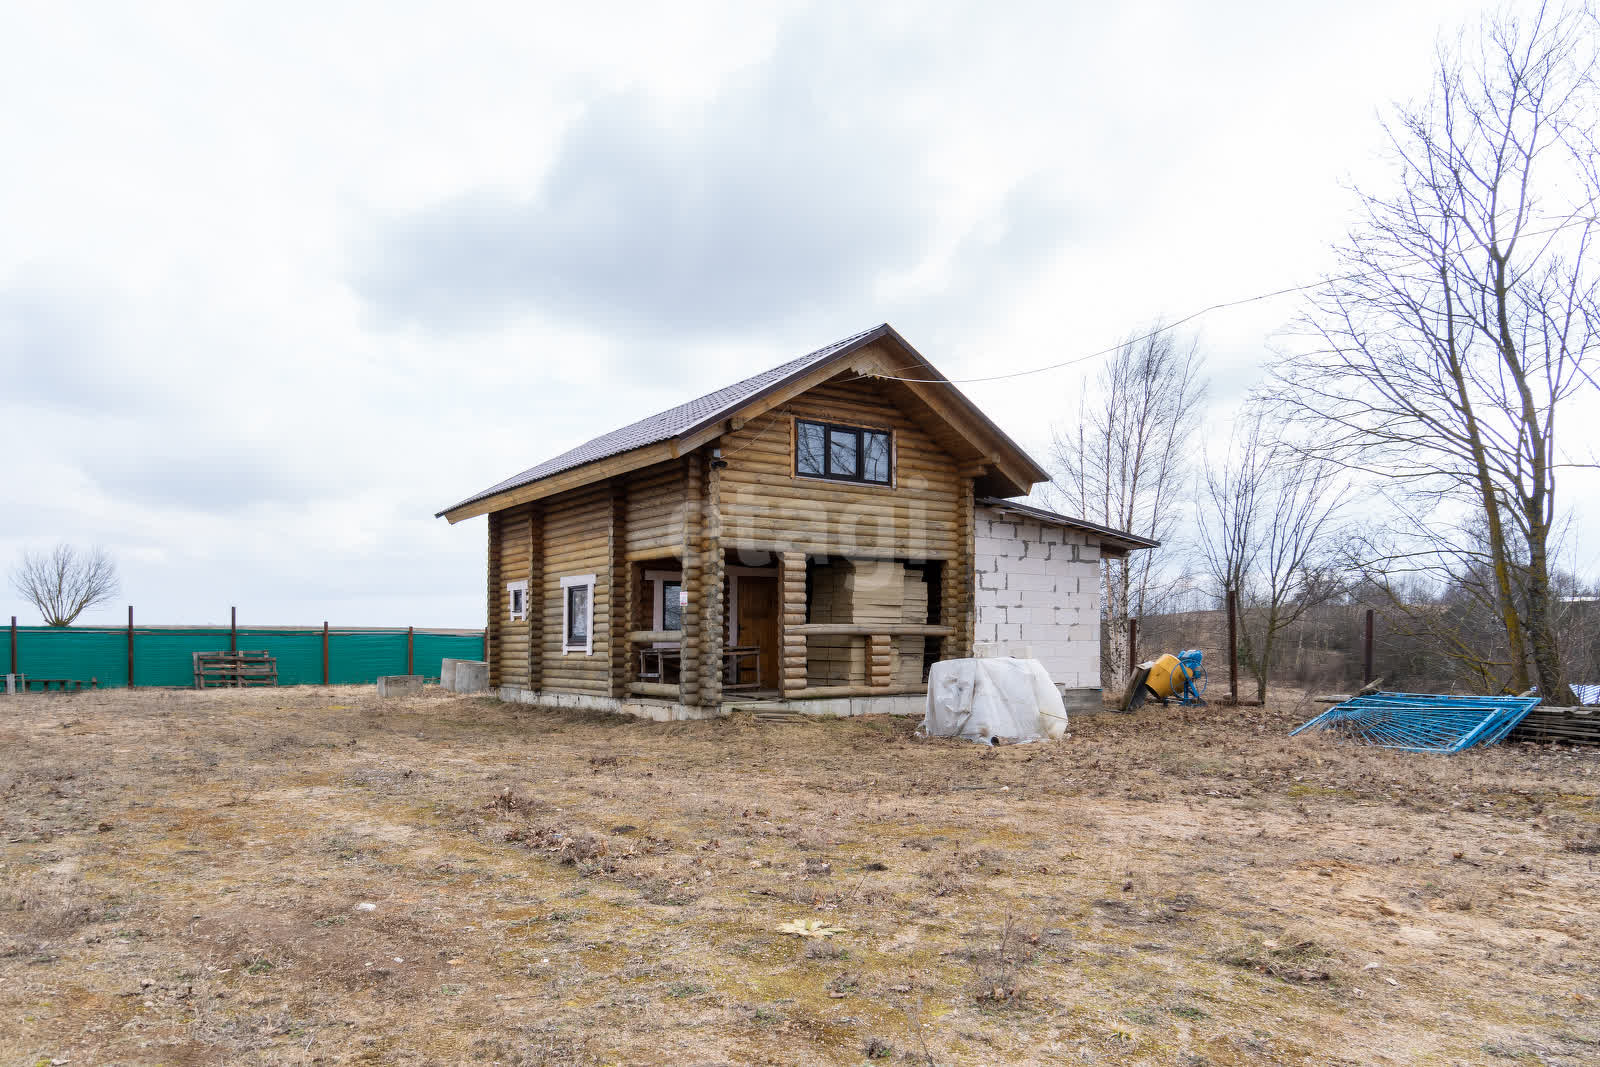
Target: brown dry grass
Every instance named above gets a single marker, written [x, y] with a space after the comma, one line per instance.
[180, 875]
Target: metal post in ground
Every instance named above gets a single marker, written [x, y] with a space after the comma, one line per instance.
[324, 651]
[130, 646]
[1233, 645]
[233, 629]
[1366, 650]
[411, 647]
[14, 668]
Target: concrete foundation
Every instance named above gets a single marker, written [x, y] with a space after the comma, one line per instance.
[670, 711]
[399, 685]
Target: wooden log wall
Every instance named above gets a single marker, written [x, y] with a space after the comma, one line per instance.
[880, 662]
[792, 613]
[510, 649]
[654, 526]
[766, 505]
[577, 541]
[713, 580]
[693, 579]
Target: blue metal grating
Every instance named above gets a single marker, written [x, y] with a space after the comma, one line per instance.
[1424, 722]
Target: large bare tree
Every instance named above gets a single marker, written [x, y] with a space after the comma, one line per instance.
[1125, 463]
[1463, 321]
[65, 582]
[1270, 531]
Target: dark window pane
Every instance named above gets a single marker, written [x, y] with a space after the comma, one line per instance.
[809, 448]
[671, 611]
[577, 614]
[843, 446]
[875, 457]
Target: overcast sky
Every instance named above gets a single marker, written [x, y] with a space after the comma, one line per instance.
[278, 282]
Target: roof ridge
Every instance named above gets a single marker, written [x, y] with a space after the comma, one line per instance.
[672, 421]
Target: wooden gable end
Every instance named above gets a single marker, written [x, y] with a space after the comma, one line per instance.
[765, 501]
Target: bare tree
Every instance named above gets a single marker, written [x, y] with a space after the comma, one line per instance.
[1124, 464]
[64, 582]
[1464, 321]
[1269, 531]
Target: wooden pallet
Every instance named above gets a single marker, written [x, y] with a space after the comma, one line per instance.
[234, 670]
[1566, 726]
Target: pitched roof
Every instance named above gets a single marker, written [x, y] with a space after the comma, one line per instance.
[1108, 533]
[665, 425]
[688, 419]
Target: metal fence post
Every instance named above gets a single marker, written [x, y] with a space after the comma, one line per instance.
[411, 645]
[130, 646]
[233, 629]
[324, 651]
[14, 668]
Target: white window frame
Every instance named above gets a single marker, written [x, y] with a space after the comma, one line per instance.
[512, 589]
[658, 587]
[587, 648]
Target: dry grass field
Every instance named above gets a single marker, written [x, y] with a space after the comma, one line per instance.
[315, 876]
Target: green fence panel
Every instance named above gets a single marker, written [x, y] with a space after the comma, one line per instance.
[62, 652]
[433, 649]
[165, 657]
[355, 657]
[298, 652]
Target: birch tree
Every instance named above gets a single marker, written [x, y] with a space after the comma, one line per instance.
[1124, 463]
[64, 582]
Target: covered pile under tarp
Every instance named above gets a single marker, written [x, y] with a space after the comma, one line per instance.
[1424, 722]
[993, 700]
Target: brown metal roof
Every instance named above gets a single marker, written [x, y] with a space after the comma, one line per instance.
[688, 418]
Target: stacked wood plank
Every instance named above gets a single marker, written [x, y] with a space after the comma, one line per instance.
[234, 670]
[1567, 726]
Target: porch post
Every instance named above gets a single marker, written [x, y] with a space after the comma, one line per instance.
[693, 565]
[713, 622]
[620, 591]
[792, 613]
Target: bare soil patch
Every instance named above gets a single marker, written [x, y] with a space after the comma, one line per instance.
[316, 876]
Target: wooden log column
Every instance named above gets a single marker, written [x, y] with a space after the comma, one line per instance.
[693, 580]
[621, 586]
[713, 568]
[880, 661]
[956, 595]
[792, 615]
[491, 629]
[536, 597]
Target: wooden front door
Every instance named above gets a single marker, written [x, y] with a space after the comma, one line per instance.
[758, 623]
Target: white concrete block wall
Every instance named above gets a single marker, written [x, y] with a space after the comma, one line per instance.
[1038, 592]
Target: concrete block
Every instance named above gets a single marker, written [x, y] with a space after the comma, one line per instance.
[471, 676]
[1089, 552]
[447, 674]
[399, 685]
[1024, 580]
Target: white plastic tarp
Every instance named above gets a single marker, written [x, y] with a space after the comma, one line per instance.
[988, 700]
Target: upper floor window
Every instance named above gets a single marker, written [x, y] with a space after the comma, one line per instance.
[842, 453]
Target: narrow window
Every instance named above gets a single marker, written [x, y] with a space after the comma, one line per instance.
[810, 449]
[671, 605]
[577, 614]
[517, 600]
[844, 453]
[875, 457]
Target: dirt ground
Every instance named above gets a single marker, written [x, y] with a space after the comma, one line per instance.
[316, 876]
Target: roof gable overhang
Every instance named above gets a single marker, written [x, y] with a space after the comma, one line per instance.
[998, 465]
